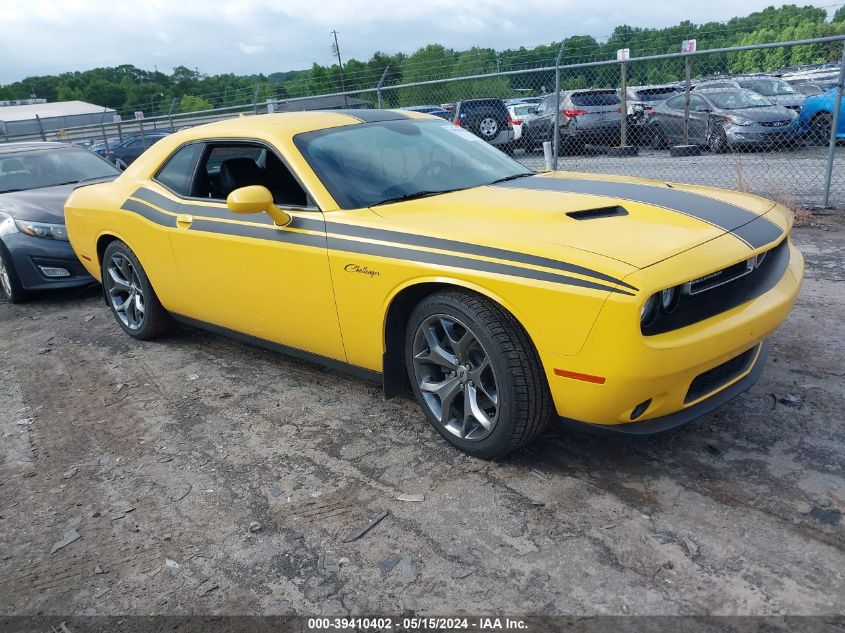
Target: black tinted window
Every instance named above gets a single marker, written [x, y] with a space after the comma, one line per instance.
[486, 104]
[177, 173]
[609, 97]
[676, 103]
[655, 94]
[230, 166]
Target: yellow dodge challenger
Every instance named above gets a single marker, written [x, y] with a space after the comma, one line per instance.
[404, 248]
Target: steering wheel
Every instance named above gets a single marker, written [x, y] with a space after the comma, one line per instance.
[431, 170]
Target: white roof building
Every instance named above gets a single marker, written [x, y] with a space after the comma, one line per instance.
[18, 120]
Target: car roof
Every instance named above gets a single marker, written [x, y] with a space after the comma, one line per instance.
[24, 146]
[297, 122]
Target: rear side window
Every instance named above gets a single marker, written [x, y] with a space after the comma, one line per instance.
[656, 94]
[676, 103]
[604, 98]
[486, 104]
[178, 172]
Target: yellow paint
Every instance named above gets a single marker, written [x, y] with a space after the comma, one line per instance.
[334, 303]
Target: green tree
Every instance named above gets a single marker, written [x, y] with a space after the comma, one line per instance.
[193, 103]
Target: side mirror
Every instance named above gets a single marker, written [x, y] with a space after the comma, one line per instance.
[256, 199]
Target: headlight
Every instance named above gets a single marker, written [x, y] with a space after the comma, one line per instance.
[739, 120]
[649, 310]
[669, 299]
[40, 229]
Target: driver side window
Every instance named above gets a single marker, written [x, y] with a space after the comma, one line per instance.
[227, 166]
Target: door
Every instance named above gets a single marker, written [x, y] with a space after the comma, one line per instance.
[242, 272]
[699, 120]
[673, 122]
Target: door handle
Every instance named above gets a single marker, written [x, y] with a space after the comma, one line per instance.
[184, 221]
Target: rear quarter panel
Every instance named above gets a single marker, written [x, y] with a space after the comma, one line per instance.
[94, 212]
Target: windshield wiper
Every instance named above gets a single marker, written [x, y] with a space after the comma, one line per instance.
[70, 182]
[414, 196]
[11, 190]
[514, 177]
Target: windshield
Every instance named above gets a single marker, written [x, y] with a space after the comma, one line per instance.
[768, 87]
[367, 164]
[738, 100]
[50, 168]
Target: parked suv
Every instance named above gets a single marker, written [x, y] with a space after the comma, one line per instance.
[488, 119]
[773, 88]
[586, 116]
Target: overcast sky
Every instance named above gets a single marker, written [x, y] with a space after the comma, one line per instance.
[250, 36]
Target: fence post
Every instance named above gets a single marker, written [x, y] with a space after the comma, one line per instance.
[831, 148]
[141, 127]
[170, 113]
[623, 132]
[40, 127]
[255, 99]
[380, 84]
[688, 70]
[119, 132]
[556, 131]
[105, 139]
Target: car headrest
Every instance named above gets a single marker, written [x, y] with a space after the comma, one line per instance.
[239, 172]
[12, 164]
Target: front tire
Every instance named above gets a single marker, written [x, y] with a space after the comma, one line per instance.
[475, 373]
[10, 285]
[820, 127]
[130, 295]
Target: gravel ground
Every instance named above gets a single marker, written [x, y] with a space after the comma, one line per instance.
[198, 475]
[794, 177]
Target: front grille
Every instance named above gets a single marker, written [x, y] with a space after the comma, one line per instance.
[720, 375]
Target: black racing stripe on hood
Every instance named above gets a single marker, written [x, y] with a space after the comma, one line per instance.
[726, 216]
[369, 115]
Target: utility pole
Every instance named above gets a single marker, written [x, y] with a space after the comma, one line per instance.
[336, 51]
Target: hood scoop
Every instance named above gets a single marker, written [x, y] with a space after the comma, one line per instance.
[595, 214]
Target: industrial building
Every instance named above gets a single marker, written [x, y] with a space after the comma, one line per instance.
[32, 119]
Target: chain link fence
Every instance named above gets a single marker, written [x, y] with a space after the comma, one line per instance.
[760, 118]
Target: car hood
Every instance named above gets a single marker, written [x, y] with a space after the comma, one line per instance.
[761, 115]
[37, 205]
[788, 100]
[616, 224]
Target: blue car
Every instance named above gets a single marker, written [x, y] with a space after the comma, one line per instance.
[817, 117]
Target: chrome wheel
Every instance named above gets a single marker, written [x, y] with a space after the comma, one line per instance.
[5, 280]
[455, 377]
[488, 127]
[125, 293]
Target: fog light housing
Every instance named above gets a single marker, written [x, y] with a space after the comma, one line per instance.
[54, 271]
[640, 409]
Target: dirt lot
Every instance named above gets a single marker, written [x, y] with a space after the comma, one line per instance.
[204, 476]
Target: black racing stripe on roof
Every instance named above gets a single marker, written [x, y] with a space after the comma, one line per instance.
[726, 216]
[369, 115]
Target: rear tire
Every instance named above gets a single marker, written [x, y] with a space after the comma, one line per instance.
[476, 374]
[130, 295]
[10, 285]
[658, 138]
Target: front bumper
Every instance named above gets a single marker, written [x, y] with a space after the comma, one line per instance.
[32, 255]
[660, 371]
[759, 136]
